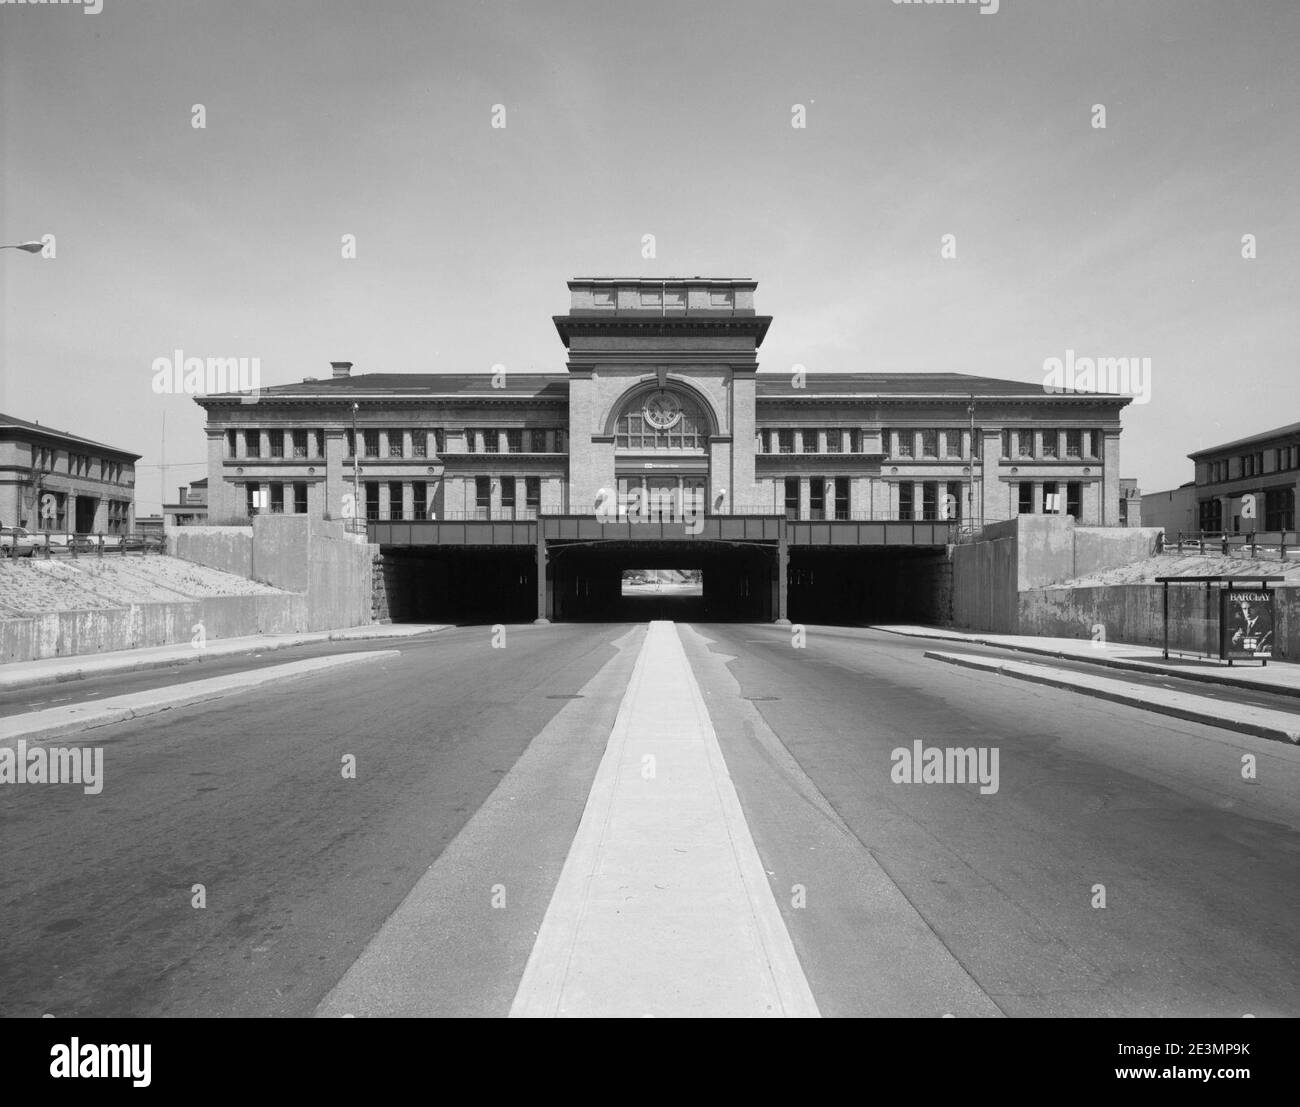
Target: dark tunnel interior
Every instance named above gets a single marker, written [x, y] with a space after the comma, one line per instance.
[830, 586]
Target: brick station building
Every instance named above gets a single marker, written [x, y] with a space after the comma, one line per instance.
[660, 405]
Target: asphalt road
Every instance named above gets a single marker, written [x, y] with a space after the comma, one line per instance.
[477, 761]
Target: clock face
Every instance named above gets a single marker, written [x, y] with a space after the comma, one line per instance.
[662, 410]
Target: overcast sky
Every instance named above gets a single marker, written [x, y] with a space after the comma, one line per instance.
[673, 119]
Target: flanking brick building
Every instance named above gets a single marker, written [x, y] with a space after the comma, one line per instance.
[51, 480]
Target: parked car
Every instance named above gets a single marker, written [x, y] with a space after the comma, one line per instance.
[16, 542]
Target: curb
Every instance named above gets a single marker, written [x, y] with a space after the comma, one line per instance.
[1204, 677]
[55, 722]
[193, 656]
[1115, 695]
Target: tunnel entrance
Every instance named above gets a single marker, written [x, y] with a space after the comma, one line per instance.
[724, 582]
[684, 580]
[488, 584]
[863, 586]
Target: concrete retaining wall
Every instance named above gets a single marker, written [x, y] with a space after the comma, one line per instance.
[316, 558]
[984, 581]
[229, 549]
[324, 572]
[1133, 613]
[1004, 584]
[67, 633]
[1032, 552]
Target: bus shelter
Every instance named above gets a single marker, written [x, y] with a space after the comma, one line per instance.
[1245, 621]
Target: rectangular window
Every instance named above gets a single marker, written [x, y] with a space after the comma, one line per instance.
[930, 500]
[395, 443]
[791, 497]
[810, 441]
[420, 444]
[817, 498]
[300, 497]
[1210, 515]
[785, 441]
[514, 441]
[471, 440]
[906, 500]
[929, 443]
[419, 499]
[277, 442]
[320, 444]
[372, 499]
[370, 443]
[1026, 494]
[299, 443]
[906, 443]
[952, 443]
[232, 443]
[483, 496]
[508, 493]
[1006, 443]
[491, 442]
[1074, 500]
[855, 441]
[841, 497]
[975, 442]
[1279, 509]
[1025, 443]
[1051, 498]
[533, 493]
[834, 441]
[277, 498]
[1074, 443]
[352, 443]
[252, 444]
[395, 499]
[1051, 442]
[252, 497]
[537, 441]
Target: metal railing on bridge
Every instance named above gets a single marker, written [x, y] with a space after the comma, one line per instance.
[1275, 545]
[17, 542]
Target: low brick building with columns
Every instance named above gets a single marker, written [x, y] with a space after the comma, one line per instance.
[661, 404]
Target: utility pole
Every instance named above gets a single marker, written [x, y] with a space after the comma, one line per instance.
[356, 468]
[162, 491]
[970, 491]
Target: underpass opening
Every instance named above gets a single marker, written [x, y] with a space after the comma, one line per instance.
[867, 585]
[462, 584]
[591, 580]
[725, 581]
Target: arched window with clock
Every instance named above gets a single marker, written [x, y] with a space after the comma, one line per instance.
[663, 419]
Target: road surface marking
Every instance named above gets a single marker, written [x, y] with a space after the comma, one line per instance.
[663, 908]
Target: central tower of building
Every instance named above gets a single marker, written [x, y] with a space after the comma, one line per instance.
[662, 390]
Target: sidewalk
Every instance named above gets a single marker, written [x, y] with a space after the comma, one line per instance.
[54, 670]
[1280, 677]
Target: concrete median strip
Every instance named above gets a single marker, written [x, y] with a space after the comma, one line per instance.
[56, 722]
[1279, 726]
[663, 908]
